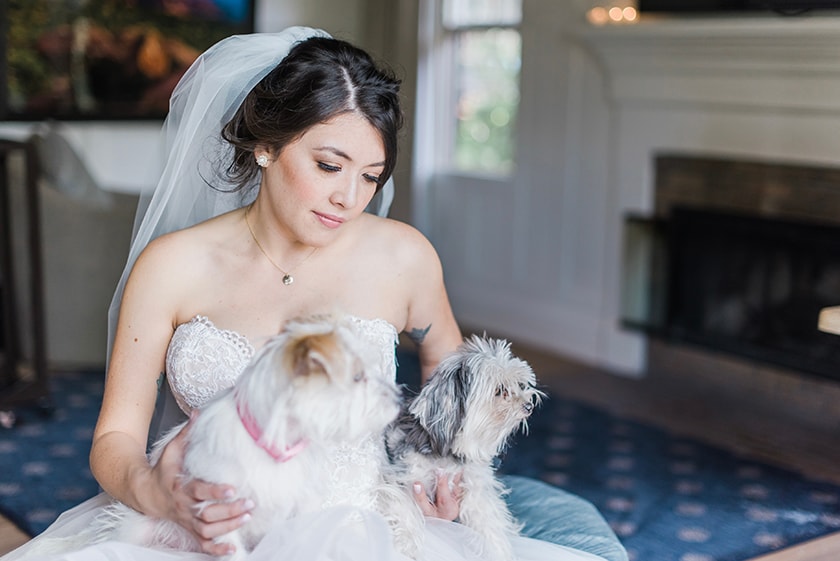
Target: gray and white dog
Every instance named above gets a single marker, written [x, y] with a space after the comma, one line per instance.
[462, 419]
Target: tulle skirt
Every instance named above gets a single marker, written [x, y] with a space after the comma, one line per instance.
[335, 534]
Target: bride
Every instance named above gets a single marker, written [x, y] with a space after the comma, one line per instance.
[276, 144]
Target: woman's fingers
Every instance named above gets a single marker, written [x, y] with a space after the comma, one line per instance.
[447, 503]
[422, 500]
[209, 519]
[211, 522]
[215, 514]
[211, 547]
[447, 499]
[202, 491]
[212, 512]
[208, 510]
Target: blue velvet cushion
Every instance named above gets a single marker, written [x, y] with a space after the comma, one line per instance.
[553, 515]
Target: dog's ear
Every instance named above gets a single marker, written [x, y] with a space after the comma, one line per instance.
[310, 354]
[440, 409]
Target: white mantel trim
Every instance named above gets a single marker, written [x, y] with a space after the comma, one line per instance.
[787, 63]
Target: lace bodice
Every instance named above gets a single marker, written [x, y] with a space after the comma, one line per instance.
[202, 360]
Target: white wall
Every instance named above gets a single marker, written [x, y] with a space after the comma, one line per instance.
[344, 19]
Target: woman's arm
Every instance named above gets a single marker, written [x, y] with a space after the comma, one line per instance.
[430, 322]
[118, 454]
[431, 325]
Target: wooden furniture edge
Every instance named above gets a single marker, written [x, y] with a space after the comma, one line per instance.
[829, 320]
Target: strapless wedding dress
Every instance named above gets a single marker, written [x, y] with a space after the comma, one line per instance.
[202, 360]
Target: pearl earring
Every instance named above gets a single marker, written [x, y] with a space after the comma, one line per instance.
[262, 160]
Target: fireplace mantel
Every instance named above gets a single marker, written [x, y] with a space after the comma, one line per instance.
[754, 88]
[787, 63]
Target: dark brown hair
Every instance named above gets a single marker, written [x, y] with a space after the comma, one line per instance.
[320, 78]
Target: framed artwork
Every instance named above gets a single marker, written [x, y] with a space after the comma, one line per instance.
[106, 59]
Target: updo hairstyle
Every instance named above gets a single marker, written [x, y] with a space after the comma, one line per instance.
[320, 78]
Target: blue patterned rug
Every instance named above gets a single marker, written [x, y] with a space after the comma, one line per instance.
[44, 459]
[668, 498]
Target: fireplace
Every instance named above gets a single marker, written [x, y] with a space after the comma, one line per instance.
[739, 257]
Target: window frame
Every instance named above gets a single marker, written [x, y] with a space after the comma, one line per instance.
[438, 92]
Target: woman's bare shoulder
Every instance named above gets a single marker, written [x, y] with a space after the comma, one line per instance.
[178, 271]
[188, 241]
[401, 254]
[402, 241]
[184, 253]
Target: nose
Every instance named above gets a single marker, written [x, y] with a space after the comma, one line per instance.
[528, 406]
[346, 195]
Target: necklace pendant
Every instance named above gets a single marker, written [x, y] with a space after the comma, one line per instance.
[288, 279]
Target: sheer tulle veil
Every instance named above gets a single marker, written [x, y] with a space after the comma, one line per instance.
[191, 188]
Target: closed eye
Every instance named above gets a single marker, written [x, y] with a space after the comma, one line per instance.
[373, 178]
[329, 167]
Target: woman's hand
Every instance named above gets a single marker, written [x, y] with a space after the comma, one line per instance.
[447, 503]
[207, 510]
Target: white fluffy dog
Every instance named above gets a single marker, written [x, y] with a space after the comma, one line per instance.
[311, 389]
[459, 423]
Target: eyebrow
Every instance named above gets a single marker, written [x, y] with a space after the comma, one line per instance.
[345, 155]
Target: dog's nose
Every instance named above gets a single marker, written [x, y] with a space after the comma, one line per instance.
[528, 406]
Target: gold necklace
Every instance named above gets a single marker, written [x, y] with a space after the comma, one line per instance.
[287, 277]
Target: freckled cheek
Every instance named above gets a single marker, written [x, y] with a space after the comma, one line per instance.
[310, 187]
[287, 178]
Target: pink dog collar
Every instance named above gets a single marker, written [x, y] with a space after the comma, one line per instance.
[279, 454]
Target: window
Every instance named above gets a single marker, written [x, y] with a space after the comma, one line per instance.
[482, 44]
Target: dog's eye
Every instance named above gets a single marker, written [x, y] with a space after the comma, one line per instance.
[359, 376]
[501, 391]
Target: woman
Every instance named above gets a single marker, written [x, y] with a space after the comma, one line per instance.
[244, 232]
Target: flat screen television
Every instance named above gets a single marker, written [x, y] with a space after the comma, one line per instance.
[105, 59]
[719, 6]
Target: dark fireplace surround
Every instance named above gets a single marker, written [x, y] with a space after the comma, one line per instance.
[738, 258]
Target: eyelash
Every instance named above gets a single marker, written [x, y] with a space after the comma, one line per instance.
[333, 169]
[328, 167]
[372, 179]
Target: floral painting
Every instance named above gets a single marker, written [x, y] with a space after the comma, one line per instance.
[107, 59]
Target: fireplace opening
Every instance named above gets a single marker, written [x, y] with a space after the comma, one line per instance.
[755, 286]
[734, 281]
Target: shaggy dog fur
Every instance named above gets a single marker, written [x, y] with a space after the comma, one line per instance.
[459, 423]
